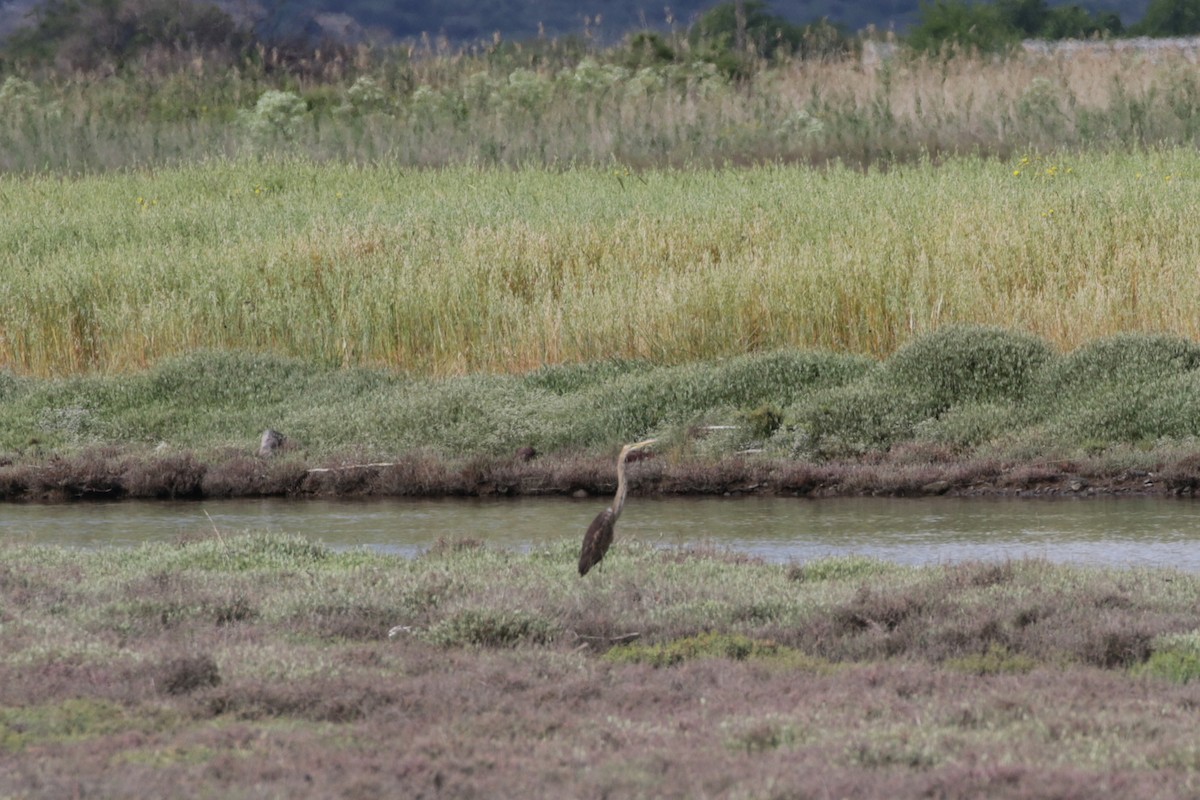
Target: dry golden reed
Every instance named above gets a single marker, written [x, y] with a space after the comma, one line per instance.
[458, 270]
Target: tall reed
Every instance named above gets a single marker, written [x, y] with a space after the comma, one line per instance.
[560, 106]
[465, 269]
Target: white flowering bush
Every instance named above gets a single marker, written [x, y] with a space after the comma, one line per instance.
[17, 94]
[366, 96]
[276, 117]
[526, 91]
[801, 125]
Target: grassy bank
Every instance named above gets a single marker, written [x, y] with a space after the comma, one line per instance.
[547, 105]
[465, 270]
[960, 396]
[259, 665]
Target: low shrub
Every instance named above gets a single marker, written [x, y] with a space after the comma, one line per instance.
[782, 377]
[996, 660]
[188, 673]
[321, 700]
[1120, 360]
[1163, 408]
[837, 568]
[630, 405]
[10, 385]
[491, 628]
[246, 552]
[854, 419]
[961, 364]
[350, 620]
[705, 645]
[571, 378]
[971, 424]
[759, 736]
[1175, 657]
[223, 378]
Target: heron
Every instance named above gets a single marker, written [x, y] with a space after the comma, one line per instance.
[600, 533]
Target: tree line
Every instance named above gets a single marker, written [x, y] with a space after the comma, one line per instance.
[85, 34]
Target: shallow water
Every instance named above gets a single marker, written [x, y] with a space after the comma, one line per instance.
[1130, 531]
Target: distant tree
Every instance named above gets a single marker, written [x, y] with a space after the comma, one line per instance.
[1073, 22]
[718, 33]
[719, 28]
[1027, 16]
[958, 22]
[81, 34]
[1035, 19]
[647, 48]
[1169, 18]
[996, 27]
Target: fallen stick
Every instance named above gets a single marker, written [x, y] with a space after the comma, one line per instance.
[353, 466]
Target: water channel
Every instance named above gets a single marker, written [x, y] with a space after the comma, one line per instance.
[1110, 531]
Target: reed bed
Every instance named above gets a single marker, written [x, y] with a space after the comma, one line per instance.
[556, 104]
[466, 269]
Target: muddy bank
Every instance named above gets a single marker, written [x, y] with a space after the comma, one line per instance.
[112, 474]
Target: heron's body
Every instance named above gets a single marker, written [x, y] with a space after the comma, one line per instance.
[599, 534]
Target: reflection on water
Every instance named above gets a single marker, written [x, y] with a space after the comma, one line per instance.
[1140, 531]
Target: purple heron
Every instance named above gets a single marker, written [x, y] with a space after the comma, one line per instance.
[600, 533]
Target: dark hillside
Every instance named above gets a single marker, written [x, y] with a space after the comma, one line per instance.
[519, 19]
[605, 20]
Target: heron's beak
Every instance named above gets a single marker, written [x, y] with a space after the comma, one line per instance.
[642, 444]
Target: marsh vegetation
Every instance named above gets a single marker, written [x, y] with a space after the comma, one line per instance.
[245, 664]
[552, 105]
[965, 409]
[916, 275]
[440, 272]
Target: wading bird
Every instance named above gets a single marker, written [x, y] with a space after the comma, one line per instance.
[600, 533]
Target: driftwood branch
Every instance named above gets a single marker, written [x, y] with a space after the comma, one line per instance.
[354, 466]
[624, 637]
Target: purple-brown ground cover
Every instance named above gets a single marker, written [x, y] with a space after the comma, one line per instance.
[251, 665]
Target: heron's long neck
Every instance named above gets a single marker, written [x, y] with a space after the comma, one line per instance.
[619, 500]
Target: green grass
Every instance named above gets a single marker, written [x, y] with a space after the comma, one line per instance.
[468, 270]
[713, 645]
[995, 660]
[72, 720]
[1176, 657]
